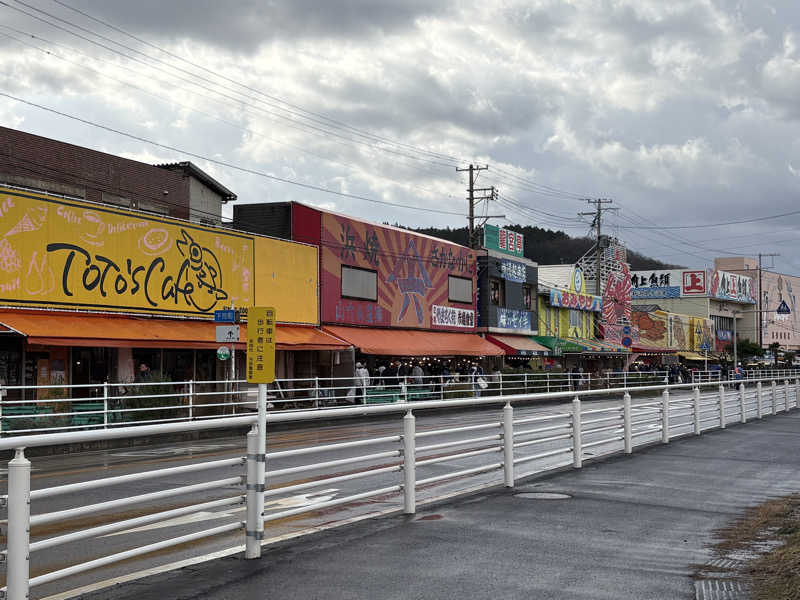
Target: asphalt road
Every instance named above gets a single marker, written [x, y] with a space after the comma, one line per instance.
[59, 470]
[631, 527]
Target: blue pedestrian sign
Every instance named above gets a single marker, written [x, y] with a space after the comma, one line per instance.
[225, 316]
[783, 309]
[705, 346]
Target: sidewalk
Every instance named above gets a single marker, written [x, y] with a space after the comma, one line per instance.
[631, 527]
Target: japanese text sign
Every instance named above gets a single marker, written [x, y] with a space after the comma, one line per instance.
[261, 332]
[504, 240]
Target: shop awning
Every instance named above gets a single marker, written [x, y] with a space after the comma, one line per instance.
[518, 345]
[118, 331]
[693, 356]
[645, 349]
[406, 342]
[558, 345]
[592, 345]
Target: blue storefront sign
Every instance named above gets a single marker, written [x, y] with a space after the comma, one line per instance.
[512, 271]
[513, 319]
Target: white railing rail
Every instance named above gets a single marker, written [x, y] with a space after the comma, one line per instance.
[54, 408]
[503, 443]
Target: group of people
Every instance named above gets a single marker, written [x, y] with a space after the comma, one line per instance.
[395, 374]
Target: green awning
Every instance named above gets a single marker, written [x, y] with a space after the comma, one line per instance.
[557, 345]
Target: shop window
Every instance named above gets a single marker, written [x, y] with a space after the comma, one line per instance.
[459, 289]
[575, 318]
[361, 284]
[527, 297]
[497, 292]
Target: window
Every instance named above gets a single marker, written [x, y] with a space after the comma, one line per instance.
[574, 318]
[359, 283]
[497, 292]
[459, 289]
[527, 297]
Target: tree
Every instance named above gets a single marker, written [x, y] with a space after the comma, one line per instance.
[745, 348]
[788, 358]
[774, 348]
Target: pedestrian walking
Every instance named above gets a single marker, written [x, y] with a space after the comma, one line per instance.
[478, 382]
[362, 383]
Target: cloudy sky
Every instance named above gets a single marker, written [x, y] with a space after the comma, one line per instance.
[685, 112]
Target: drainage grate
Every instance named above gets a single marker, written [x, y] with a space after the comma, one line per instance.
[720, 589]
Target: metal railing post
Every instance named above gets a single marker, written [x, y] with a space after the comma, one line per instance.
[796, 393]
[105, 405]
[696, 414]
[774, 398]
[252, 539]
[19, 517]
[577, 436]
[785, 395]
[2, 395]
[627, 425]
[742, 413]
[722, 407]
[625, 379]
[759, 400]
[548, 383]
[316, 392]
[191, 399]
[508, 444]
[405, 389]
[665, 417]
[409, 464]
[526, 383]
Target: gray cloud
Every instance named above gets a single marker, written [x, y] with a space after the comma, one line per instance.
[684, 111]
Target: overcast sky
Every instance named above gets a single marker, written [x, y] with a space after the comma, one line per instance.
[684, 112]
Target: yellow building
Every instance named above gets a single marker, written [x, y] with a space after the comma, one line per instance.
[90, 292]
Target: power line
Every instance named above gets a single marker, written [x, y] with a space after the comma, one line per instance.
[185, 106]
[227, 164]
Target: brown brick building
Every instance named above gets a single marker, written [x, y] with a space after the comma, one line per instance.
[179, 189]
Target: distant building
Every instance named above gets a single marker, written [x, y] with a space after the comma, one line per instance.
[777, 289]
[180, 190]
[707, 294]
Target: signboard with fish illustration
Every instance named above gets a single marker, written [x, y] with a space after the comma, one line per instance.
[62, 253]
[378, 275]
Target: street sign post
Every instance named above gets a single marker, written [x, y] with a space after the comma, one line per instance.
[226, 316]
[261, 331]
[705, 346]
[227, 334]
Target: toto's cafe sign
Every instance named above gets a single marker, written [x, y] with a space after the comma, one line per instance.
[72, 254]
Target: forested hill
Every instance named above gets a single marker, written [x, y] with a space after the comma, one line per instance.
[548, 247]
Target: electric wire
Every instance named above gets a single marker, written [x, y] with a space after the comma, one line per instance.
[225, 163]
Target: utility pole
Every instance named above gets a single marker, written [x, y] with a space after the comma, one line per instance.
[471, 199]
[760, 300]
[597, 214]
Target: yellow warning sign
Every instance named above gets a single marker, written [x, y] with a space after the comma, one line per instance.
[261, 331]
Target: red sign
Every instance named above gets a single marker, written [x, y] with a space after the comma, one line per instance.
[694, 283]
[412, 273]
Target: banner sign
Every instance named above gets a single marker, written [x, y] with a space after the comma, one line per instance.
[513, 319]
[690, 283]
[730, 286]
[448, 316]
[504, 240]
[67, 253]
[261, 344]
[564, 299]
[512, 271]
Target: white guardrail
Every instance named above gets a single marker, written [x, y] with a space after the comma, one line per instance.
[52, 408]
[541, 441]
